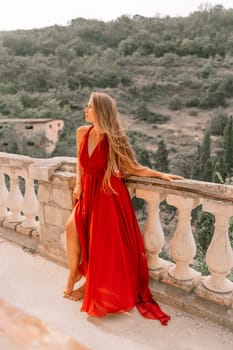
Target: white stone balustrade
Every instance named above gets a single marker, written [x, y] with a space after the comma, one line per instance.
[153, 234]
[15, 199]
[3, 197]
[219, 255]
[185, 196]
[30, 205]
[53, 205]
[182, 245]
[18, 211]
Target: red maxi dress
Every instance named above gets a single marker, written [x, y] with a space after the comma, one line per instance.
[113, 257]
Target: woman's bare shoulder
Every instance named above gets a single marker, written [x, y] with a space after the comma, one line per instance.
[81, 131]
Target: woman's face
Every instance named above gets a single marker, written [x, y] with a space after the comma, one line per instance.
[90, 113]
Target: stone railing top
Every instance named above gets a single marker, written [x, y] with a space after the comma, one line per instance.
[39, 169]
[14, 160]
[45, 169]
[193, 188]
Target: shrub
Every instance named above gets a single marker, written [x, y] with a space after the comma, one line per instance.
[218, 121]
[157, 118]
[193, 112]
[228, 85]
[173, 149]
[212, 94]
[144, 113]
[206, 71]
[204, 229]
[175, 103]
[193, 102]
[183, 162]
[170, 59]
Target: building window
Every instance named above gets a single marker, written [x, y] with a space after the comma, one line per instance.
[58, 124]
[30, 143]
[5, 144]
[28, 127]
[50, 126]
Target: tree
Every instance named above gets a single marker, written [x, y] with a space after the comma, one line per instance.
[161, 157]
[202, 167]
[205, 153]
[218, 121]
[228, 146]
[213, 94]
[196, 169]
[219, 171]
[20, 44]
[183, 164]
[128, 46]
[204, 229]
[143, 157]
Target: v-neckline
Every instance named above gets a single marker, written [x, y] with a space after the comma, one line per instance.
[96, 146]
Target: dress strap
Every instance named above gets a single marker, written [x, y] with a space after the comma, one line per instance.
[85, 137]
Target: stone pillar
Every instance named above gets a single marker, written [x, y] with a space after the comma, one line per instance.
[3, 197]
[55, 206]
[183, 247]
[219, 257]
[153, 234]
[30, 205]
[15, 200]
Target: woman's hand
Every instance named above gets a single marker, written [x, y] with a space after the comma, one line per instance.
[77, 193]
[170, 177]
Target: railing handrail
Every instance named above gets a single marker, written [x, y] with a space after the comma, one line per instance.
[197, 188]
[202, 189]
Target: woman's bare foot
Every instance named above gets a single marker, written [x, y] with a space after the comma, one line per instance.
[77, 294]
[72, 279]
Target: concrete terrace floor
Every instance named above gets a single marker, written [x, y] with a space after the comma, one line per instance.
[34, 285]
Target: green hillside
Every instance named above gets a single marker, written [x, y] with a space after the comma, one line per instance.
[169, 76]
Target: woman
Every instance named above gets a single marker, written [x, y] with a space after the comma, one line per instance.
[104, 242]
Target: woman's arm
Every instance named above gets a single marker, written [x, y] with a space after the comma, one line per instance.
[147, 172]
[79, 171]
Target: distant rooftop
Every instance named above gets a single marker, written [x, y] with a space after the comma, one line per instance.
[28, 120]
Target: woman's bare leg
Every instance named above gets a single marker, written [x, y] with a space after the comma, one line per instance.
[73, 253]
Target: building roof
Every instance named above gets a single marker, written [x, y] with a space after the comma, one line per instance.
[28, 120]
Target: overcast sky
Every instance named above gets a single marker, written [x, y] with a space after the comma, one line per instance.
[27, 14]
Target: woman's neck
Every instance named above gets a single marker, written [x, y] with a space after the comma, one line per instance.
[97, 131]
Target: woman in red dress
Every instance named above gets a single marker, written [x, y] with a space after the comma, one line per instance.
[104, 242]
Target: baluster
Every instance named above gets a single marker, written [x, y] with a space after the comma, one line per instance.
[30, 205]
[219, 256]
[183, 247]
[131, 191]
[15, 200]
[3, 197]
[153, 235]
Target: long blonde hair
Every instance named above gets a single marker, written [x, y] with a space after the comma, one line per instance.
[121, 157]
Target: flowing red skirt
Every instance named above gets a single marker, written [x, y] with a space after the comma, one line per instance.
[113, 256]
